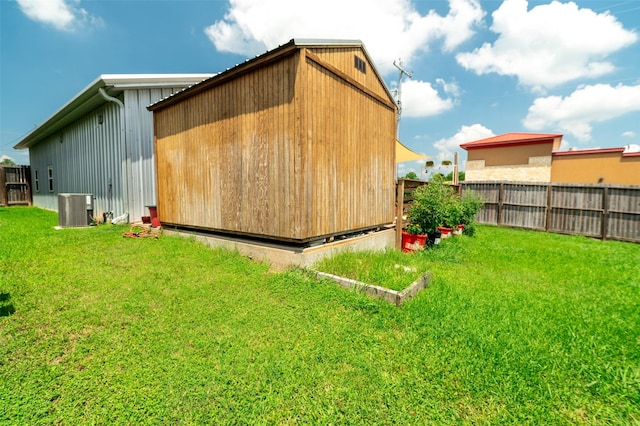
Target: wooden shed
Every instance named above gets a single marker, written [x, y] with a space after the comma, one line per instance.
[295, 145]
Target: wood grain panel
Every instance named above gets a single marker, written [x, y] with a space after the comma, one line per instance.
[289, 151]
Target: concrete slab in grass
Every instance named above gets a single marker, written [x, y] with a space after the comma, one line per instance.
[391, 296]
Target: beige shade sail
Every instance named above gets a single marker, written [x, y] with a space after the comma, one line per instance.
[405, 154]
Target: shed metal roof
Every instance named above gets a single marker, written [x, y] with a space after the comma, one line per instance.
[89, 99]
[295, 43]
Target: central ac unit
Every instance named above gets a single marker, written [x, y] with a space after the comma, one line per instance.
[75, 210]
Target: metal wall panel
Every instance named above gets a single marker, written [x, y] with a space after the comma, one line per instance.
[140, 140]
[89, 156]
[86, 157]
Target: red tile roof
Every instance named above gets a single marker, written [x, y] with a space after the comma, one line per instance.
[511, 139]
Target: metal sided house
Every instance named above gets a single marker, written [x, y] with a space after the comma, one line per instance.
[296, 146]
[101, 143]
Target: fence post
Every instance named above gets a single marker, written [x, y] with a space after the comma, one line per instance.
[3, 187]
[500, 198]
[604, 225]
[547, 225]
[399, 211]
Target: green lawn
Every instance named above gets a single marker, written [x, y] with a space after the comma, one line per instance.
[515, 327]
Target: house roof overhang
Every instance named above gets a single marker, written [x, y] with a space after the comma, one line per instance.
[514, 139]
[89, 99]
[270, 56]
[589, 151]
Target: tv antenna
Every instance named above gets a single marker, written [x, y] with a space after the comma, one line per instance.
[403, 72]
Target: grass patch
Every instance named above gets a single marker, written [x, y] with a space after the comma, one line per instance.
[391, 269]
[516, 327]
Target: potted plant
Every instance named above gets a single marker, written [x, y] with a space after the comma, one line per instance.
[413, 238]
[470, 205]
[429, 208]
[453, 217]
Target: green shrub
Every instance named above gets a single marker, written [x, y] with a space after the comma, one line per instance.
[432, 206]
[470, 205]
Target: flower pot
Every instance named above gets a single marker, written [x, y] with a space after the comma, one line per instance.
[446, 232]
[434, 238]
[413, 242]
[153, 212]
[458, 230]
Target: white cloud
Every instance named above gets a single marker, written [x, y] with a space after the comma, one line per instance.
[629, 134]
[420, 99]
[449, 88]
[589, 104]
[58, 13]
[447, 146]
[549, 45]
[6, 157]
[564, 144]
[389, 28]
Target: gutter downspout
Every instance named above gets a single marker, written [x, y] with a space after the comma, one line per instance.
[126, 173]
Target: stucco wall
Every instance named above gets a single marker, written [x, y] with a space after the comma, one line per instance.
[510, 155]
[538, 169]
[609, 168]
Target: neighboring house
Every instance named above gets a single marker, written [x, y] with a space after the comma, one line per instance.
[607, 165]
[101, 142]
[534, 157]
[295, 145]
[522, 157]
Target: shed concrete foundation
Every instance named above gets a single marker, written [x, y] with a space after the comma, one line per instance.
[282, 256]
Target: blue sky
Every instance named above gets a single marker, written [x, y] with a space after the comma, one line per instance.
[480, 68]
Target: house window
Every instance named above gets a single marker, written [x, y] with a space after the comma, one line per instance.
[360, 64]
[50, 178]
[36, 180]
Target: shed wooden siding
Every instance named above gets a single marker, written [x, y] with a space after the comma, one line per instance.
[289, 150]
[343, 60]
[351, 163]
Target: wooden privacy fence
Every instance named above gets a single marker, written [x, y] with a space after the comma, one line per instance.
[15, 185]
[601, 211]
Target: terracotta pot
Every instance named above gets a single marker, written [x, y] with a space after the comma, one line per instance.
[446, 232]
[413, 242]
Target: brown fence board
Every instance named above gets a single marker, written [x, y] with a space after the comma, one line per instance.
[624, 200]
[15, 185]
[525, 195]
[583, 198]
[573, 221]
[531, 217]
[624, 226]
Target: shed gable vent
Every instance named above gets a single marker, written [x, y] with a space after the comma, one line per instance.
[360, 64]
